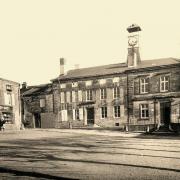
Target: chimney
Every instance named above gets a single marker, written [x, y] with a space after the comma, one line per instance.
[76, 66]
[133, 58]
[61, 66]
[24, 85]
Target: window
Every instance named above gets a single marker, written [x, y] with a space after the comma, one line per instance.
[77, 114]
[103, 94]
[89, 95]
[102, 81]
[63, 85]
[164, 83]
[74, 84]
[144, 111]
[116, 92]
[8, 87]
[88, 83]
[144, 85]
[103, 112]
[115, 79]
[8, 99]
[116, 111]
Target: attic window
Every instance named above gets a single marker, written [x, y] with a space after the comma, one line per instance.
[8, 87]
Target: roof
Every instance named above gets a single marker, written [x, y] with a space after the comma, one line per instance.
[10, 81]
[35, 90]
[115, 68]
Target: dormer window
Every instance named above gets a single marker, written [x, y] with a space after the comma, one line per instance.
[164, 83]
[8, 87]
[88, 83]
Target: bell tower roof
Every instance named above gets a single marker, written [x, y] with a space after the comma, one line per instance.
[133, 28]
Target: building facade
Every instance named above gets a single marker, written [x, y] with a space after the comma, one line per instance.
[38, 106]
[136, 95]
[10, 104]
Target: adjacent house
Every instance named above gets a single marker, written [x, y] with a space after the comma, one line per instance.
[37, 106]
[10, 104]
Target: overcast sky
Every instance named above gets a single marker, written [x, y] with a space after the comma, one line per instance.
[34, 34]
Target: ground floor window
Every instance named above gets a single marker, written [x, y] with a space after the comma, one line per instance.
[116, 111]
[77, 114]
[144, 108]
[103, 112]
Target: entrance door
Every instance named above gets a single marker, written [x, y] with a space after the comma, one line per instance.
[37, 119]
[90, 115]
[165, 108]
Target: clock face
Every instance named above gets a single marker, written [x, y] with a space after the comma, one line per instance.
[132, 41]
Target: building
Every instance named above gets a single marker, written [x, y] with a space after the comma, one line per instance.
[37, 106]
[10, 104]
[135, 95]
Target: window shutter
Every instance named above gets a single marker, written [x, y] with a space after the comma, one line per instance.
[62, 97]
[81, 113]
[80, 96]
[74, 114]
[6, 99]
[122, 110]
[137, 86]
[42, 103]
[73, 96]
[64, 115]
[13, 99]
[121, 94]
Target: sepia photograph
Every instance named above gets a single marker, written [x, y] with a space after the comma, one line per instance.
[89, 89]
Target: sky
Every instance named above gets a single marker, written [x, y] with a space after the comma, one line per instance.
[34, 34]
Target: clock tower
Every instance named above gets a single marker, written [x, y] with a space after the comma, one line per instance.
[133, 58]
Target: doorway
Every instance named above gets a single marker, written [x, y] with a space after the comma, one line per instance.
[37, 119]
[165, 110]
[90, 116]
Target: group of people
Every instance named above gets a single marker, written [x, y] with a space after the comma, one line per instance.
[2, 122]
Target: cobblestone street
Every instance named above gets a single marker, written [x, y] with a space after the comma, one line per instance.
[88, 154]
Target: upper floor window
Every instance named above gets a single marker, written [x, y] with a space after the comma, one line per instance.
[42, 103]
[164, 83]
[88, 83]
[116, 111]
[103, 93]
[89, 96]
[144, 85]
[116, 92]
[8, 99]
[103, 112]
[102, 81]
[63, 85]
[144, 111]
[79, 95]
[8, 87]
[115, 79]
[74, 84]
[68, 96]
